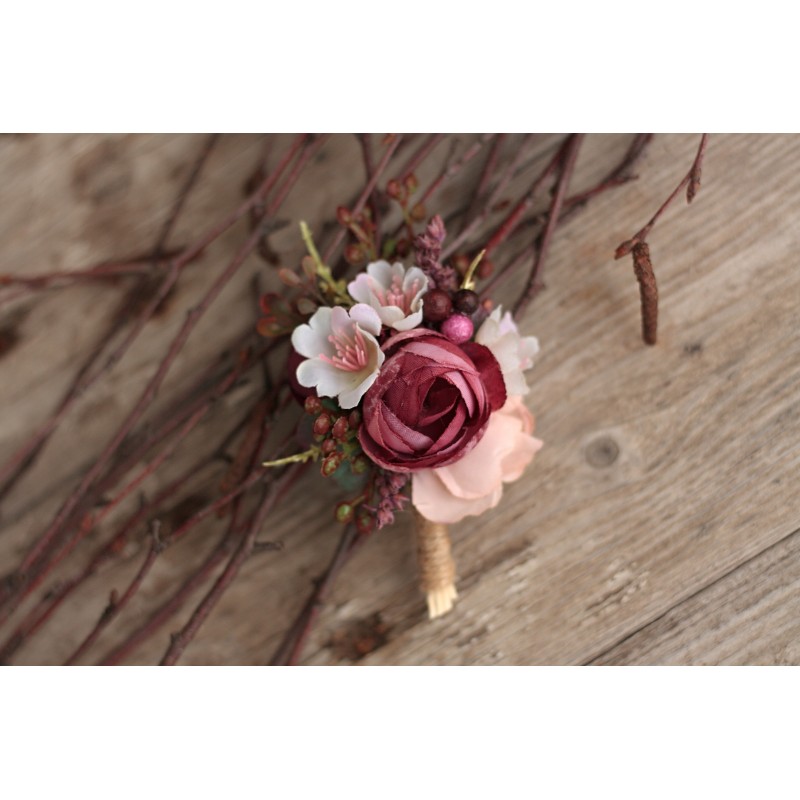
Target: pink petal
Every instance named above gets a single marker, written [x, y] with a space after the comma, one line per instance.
[433, 500]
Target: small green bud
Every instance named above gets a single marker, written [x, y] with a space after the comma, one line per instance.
[359, 465]
[365, 522]
[345, 512]
[330, 464]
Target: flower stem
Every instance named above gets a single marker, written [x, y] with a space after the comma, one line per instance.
[469, 281]
[312, 454]
[327, 282]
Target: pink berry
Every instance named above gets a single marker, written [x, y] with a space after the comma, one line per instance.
[458, 328]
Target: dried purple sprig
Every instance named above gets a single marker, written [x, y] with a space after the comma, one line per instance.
[428, 246]
[389, 488]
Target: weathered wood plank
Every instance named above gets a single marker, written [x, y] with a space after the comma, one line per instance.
[664, 468]
[705, 427]
[749, 616]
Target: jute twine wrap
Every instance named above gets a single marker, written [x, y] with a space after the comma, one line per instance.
[437, 570]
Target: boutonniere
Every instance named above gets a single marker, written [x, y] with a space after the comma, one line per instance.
[413, 388]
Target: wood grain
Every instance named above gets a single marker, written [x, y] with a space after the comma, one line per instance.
[668, 477]
[749, 616]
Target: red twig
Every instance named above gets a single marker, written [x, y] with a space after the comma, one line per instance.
[155, 382]
[513, 218]
[252, 445]
[181, 640]
[363, 197]
[159, 617]
[183, 194]
[450, 170]
[50, 603]
[619, 176]
[374, 200]
[115, 605]
[642, 266]
[691, 182]
[570, 157]
[486, 176]
[486, 208]
[91, 522]
[422, 153]
[616, 177]
[106, 271]
[290, 649]
[24, 456]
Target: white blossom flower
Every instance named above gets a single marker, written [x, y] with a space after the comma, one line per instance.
[513, 352]
[394, 292]
[342, 354]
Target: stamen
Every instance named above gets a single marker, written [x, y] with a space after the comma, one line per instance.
[351, 353]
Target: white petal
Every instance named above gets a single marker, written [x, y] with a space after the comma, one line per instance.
[488, 332]
[340, 321]
[359, 288]
[407, 323]
[416, 274]
[507, 323]
[390, 315]
[311, 340]
[528, 348]
[367, 318]
[351, 398]
[382, 272]
[316, 372]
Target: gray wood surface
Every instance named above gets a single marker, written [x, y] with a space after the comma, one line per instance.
[657, 525]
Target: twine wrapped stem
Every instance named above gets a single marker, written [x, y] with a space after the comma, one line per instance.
[437, 569]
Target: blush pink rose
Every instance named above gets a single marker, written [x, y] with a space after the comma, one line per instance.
[431, 401]
[474, 483]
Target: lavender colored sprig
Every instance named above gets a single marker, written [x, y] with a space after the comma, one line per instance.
[428, 246]
[389, 487]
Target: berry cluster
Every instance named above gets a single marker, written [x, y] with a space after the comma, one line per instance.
[452, 312]
[336, 434]
[362, 228]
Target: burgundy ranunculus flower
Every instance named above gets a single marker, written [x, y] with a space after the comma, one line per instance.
[431, 401]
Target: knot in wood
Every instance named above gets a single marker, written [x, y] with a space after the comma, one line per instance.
[602, 452]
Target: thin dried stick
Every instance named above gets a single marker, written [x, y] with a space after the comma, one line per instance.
[92, 521]
[150, 390]
[24, 457]
[691, 182]
[159, 617]
[177, 208]
[642, 265]
[55, 597]
[568, 164]
[374, 201]
[363, 197]
[290, 649]
[508, 175]
[181, 640]
[618, 176]
[489, 167]
[167, 609]
[452, 169]
[420, 155]
[513, 218]
[254, 440]
[107, 270]
[115, 604]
